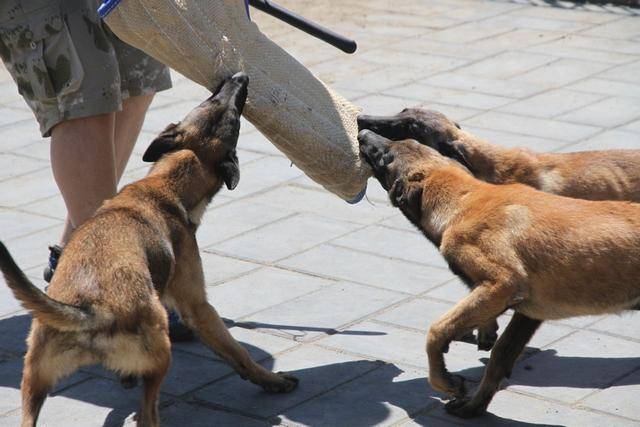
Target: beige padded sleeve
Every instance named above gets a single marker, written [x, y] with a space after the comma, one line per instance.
[209, 40]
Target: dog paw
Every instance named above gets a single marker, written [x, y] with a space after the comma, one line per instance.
[486, 340]
[461, 407]
[456, 386]
[452, 385]
[283, 383]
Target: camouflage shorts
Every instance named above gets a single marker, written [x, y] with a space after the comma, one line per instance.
[68, 64]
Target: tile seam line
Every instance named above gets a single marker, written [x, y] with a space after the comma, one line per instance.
[423, 368]
[580, 402]
[345, 280]
[604, 130]
[562, 403]
[619, 10]
[376, 254]
[453, 71]
[522, 7]
[601, 98]
[424, 77]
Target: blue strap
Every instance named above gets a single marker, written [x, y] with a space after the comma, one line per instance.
[359, 197]
[106, 7]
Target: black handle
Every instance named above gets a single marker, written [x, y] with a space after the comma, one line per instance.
[302, 23]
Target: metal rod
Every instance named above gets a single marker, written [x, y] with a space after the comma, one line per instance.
[302, 23]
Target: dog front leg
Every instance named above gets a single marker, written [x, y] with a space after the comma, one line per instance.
[503, 356]
[212, 330]
[483, 304]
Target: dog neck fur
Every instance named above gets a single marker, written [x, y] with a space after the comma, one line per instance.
[443, 194]
[193, 184]
[498, 165]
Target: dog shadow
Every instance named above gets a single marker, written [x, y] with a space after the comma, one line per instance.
[363, 392]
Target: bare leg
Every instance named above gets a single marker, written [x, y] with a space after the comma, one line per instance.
[83, 163]
[89, 155]
[127, 128]
[507, 349]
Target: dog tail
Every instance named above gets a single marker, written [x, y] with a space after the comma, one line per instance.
[53, 313]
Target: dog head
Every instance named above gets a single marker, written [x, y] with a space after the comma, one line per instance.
[402, 168]
[210, 130]
[428, 127]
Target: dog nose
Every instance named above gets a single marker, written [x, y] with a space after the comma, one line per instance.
[369, 122]
[371, 141]
[233, 92]
[241, 78]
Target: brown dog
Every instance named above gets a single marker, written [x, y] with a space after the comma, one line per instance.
[105, 302]
[544, 256]
[590, 175]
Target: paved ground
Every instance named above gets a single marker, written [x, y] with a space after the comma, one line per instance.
[342, 295]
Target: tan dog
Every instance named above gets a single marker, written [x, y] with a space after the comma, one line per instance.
[544, 256]
[105, 302]
[590, 175]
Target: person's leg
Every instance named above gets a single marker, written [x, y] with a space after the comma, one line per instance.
[83, 161]
[89, 155]
[127, 128]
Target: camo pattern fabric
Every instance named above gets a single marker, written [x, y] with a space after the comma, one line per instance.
[67, 64]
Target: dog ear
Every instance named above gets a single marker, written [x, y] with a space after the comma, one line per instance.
[456, 151]
[229, 170]
[408, 197]
[164, 143]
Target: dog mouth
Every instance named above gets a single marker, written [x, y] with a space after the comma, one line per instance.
[377, 124]
[232, 92]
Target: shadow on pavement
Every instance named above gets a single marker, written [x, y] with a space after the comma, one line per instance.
[364, 399]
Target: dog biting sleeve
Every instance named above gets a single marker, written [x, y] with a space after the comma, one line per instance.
[209, 40]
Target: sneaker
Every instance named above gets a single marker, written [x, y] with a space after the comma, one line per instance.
[54, 255]
[178, 331]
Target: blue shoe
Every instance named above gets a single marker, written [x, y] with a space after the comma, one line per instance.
[54, 255]
[178, 331]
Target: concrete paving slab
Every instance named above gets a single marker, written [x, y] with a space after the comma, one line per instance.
[576, 366]
[268, 287]
[367, 268]
[284, 238]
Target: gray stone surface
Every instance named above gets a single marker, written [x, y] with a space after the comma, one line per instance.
[342, 296]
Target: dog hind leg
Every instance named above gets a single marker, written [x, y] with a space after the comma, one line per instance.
[48, 359]
[35, 387]
[148, 415]
[503, 356]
